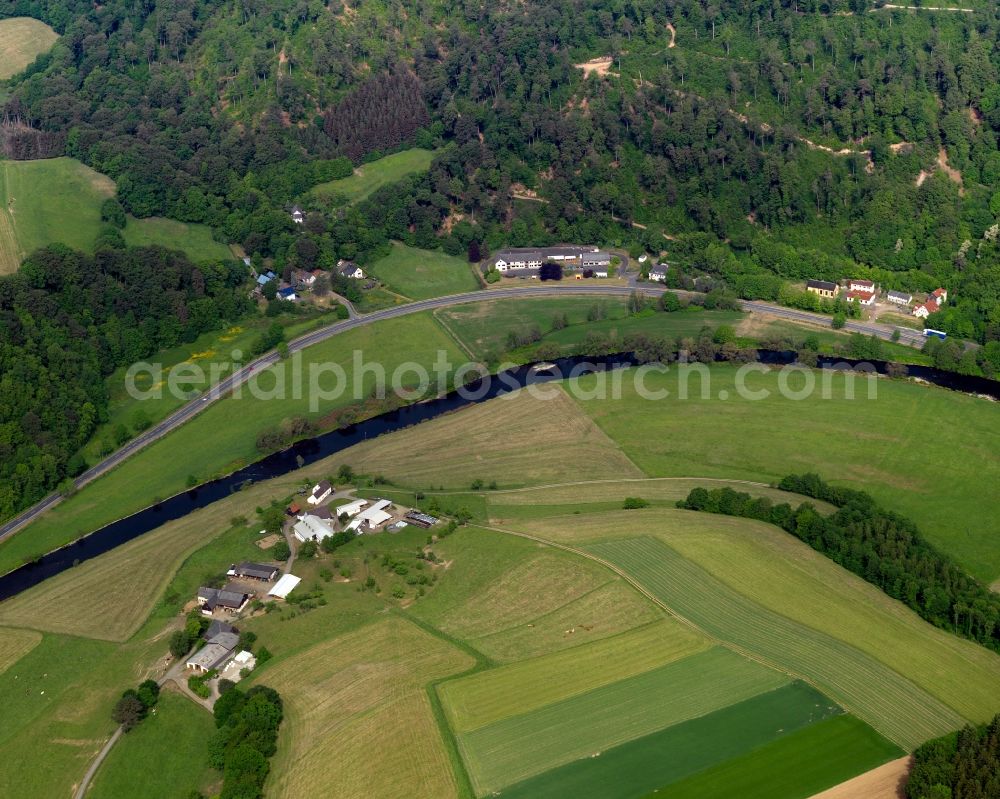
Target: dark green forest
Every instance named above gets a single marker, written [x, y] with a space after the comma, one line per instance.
[963, 765]
[778, 138]
[67, 320]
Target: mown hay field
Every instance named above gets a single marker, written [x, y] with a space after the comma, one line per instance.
[22, 40]
[793, 766]
[893, 705]
[516, 440]
[877, 445]
[109, 597]
[490, 696]
[519, 747]
[15, 644]
[781, 573]
[654, 761]
[358, 722]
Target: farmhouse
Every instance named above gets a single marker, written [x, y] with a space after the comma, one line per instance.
[312, 528]
[230, 599]
[352, 508]
[823, 287]
[284, 586]
[208, 657]
[350, 270]
[899, 297]
[867, 286]
[866, 298]
[320, 491]
[371, 517]
[254, 571]
[217, 627]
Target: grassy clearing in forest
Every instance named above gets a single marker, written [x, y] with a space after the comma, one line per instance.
[22, 40]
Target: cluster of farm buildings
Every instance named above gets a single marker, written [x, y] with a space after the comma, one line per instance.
[865, 293]
[219, 654]
[320, 519]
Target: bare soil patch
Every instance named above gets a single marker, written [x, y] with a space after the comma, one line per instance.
[884, 782]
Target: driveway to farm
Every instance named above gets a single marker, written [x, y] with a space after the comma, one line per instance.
[195, 406]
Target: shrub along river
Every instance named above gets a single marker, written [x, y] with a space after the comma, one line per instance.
[311, 450]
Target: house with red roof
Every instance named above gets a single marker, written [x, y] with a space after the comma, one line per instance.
[866, 298]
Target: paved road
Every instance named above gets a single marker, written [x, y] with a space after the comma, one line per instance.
[195, 406]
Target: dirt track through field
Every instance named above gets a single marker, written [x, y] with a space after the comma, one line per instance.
[10, 250]
[885, 782]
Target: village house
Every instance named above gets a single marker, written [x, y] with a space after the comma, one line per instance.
[866, 298]
[297, 216]
[857, 284]
[254, 571]
[320, 491]
[824, 288]
[287, 293]
[659, 274]
[300, 277]
[350, 270]
[899, 297]
[312, 528]
[935, 300]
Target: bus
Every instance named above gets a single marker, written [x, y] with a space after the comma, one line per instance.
[939, 333]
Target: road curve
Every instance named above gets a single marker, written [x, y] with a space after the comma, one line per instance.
[195, 406]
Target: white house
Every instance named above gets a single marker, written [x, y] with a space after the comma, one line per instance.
[297, 216]
[866, 298]
[925, 310]
[320, 491]
[518, 259]
[659, 274]
[312, 528]
[867, 286]
[350, 270]
[899, 297]
[940, 295]
[351, 508]
[601, 272]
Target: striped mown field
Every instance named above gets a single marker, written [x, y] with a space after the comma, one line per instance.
[22, 39]
[895, 706]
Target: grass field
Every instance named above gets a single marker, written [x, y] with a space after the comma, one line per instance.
[513, 749]
[194, 240]
[879, 445]
[57, 200]
[360, 694]
[163, 758]
[135, 574]
[490, 696]
[369, 177]
[22, 39]
[57, 702]
[886, 700]
[674, 753]
[420, 274]
[792, 767]
[496, 441]
[15, 644]
[221, 438]
[483, 327]
[787, 576]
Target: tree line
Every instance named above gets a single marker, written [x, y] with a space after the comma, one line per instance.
[962, 765]
[882, 547]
